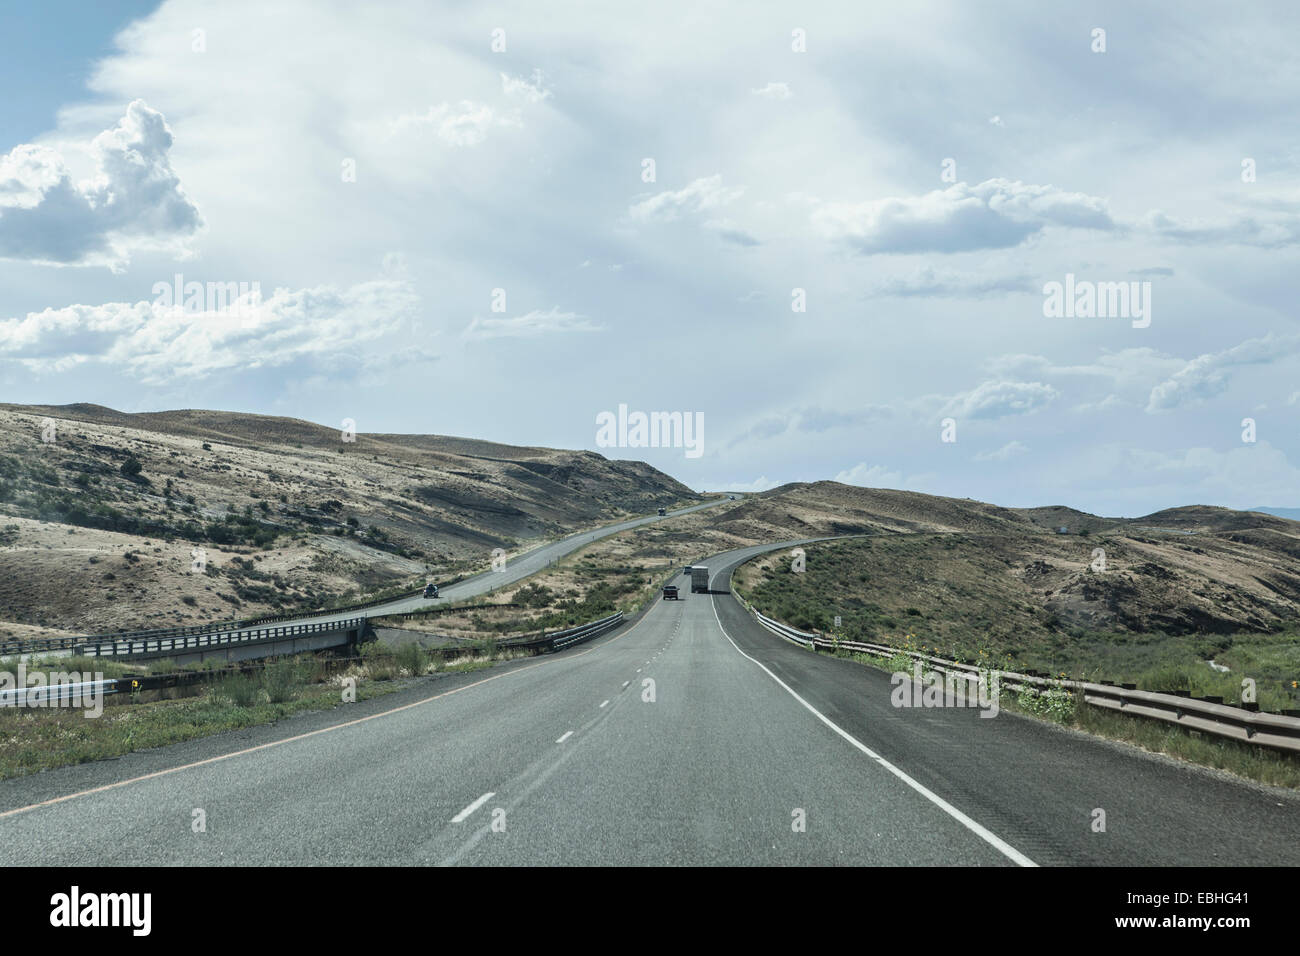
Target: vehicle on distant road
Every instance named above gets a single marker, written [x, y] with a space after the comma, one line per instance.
[699, 579]
[670, 593]
[431, 590]
[663, 511]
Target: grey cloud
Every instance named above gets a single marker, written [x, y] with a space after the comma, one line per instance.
[667, 206]
[994, 214]
[991, 400]
[134, 201]
[1207, 375]
[1245, 230]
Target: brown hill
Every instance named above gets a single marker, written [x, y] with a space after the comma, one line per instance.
[327, 517]
[1191, 570]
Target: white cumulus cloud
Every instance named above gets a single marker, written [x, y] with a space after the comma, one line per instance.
[1207, 375]
[994, 214]
[701, 195]
[530, 91]
[1000, 399]
[161, 343]
[134, 201]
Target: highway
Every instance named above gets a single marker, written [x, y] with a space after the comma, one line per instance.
[515, 568]
[690, 736]
[518, 567]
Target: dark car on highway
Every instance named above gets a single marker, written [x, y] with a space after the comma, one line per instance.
[431, 590]
[670, 592]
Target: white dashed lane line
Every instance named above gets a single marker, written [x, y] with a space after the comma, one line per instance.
[460, 817]
[567, 735]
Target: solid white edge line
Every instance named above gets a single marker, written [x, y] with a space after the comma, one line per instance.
[460, 817]
[567, 735]
[995, 841]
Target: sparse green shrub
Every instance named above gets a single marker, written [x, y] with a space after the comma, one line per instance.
[1055, 703]
[240, 690]
[379, 661]
[282, 679]
[412, 659]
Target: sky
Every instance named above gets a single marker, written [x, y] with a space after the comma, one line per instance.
[842, 237]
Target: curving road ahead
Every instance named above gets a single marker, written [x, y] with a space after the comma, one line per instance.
[515, 569]
[693, 736]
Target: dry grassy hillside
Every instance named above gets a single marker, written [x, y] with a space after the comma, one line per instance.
[1210, 571]
[1195, 569]
[1177, 589]
[104, 519]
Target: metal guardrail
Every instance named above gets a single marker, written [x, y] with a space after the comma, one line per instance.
[542, 642]
[442, 609]
[51, 695]
[135, 647]
[583, 632]
[57, 694]
[41, 644]
[1221, 720]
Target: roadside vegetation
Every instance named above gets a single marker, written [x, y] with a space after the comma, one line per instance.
[41, 738]
[954, 598]
[883, 592]
[1063, 706]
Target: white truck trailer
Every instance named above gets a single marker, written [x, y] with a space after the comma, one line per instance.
[699, 579]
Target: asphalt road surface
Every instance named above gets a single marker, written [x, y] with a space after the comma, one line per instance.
[693, 736]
